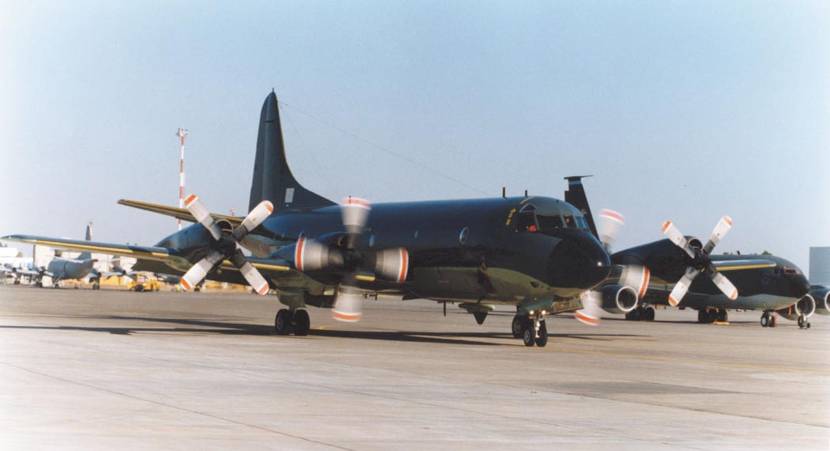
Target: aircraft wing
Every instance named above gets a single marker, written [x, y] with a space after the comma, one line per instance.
[164, 260]
[178, 213]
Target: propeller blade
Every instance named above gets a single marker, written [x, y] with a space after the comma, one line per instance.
[251, 274]
[676, 237]
[682, 286]
[197, 272]
[724, 285]
[259, 214]
[591, 311]
[310, 255]
[198, 210]
[348, 305]
[355, 212]
[393, 264]
[609, 226]
[721, 229]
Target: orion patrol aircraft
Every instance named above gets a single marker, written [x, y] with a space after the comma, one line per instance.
[62, 268]
[536, 253]
[667, 272]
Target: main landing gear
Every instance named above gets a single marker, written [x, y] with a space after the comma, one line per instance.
[707, 316]
[641, 314]
[288, 321]
[802, 322]
[768, 319]
[532, 331]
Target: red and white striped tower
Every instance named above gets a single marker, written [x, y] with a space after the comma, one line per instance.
[181, 133]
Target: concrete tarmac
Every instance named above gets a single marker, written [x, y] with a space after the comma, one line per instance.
[86, 369]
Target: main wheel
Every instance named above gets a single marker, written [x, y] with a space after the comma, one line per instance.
[765, 320]
[701, 316]
[723, 315]
[648, 314]
[772, 320]
[96, 286]
[518, 325]
[542, 339]
[282, 322]
[635, 314]
[527, 336]
[302, 323]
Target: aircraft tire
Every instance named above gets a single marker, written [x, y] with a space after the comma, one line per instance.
[527, 336]
[648, 314]
[542, 339]
[282, 322]
[723, 315]
[302, 323]
[518, 325]
[765, 319]
[772, 320]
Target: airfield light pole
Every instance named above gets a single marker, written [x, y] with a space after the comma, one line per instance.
[181, 133]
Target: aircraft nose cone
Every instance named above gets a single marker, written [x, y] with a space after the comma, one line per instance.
[578, 261]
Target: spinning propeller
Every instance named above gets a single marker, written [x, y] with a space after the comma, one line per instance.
[226, 245]
[390, 264]
[700, 260]
[610, 223]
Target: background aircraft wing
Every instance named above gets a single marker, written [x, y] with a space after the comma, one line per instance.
[162, 260]
[178, 213]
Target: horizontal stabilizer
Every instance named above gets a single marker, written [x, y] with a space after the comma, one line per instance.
[178, 213]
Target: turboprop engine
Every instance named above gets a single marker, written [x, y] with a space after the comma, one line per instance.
[805, 306]
[618, 299]
[821, 294]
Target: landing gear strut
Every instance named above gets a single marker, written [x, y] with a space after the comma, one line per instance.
[532, 331]
[288, 321]
[767, 320]
[802, 322]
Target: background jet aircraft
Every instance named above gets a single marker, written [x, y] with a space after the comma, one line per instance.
[535, 253]
[681, 271]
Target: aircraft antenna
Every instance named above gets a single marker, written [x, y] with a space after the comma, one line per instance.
[182, 134]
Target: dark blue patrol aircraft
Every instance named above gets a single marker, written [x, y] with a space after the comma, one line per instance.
[537, 253]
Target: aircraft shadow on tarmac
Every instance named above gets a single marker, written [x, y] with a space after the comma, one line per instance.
[228, 328]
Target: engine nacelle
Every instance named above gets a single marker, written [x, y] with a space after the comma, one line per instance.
[618, 299]
[806, 305]
[822, 296]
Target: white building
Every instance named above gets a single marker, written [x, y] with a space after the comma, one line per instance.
[820, 265]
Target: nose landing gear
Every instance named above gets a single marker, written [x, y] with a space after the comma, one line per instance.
[802, 322]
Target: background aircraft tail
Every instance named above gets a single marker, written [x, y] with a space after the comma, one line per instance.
[272, 178]
[575, 195]
[88, 237]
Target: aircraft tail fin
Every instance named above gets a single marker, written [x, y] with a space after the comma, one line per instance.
[575, 195]
[272, 178]
[87, 237]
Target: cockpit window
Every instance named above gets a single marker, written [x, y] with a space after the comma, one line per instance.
[547, 223]
[526, 221]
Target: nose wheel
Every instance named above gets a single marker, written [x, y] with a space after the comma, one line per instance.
[802, 322]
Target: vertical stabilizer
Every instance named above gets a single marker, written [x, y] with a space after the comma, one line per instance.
[575, 195]
[272, 178]
[88, 237]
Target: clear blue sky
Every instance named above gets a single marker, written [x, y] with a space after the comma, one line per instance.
[681, 110]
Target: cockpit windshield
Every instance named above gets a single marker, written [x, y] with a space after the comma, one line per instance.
[549, 216]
